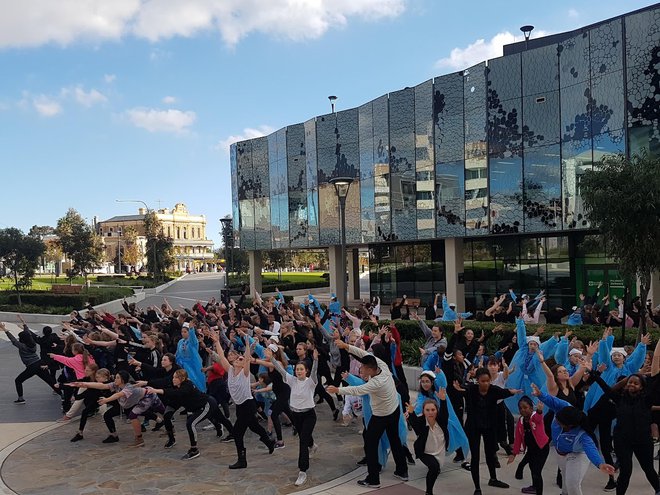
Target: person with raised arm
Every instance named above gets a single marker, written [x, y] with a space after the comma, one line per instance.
[574, 442]
[386, 413]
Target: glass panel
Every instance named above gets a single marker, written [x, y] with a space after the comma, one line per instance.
[574, 60]
[540, 70]
[507, 254]
[382, 168]
[542, 189]
[576, 105]
[262, 223]
[476, 163]
[366, 140]
[606, 53]
[246, 207]
[450, 198]
[609, 143]
[312, 183]
[504, 78]
[402, 164]
[261, 182]
[643, 80]
[235, 209]
[607, 102]
[448, 118]
[244, 170]
[484, 272]
[541, 124]
[556, 247]
[297, 182]
[405, 270]
[348, 160]
[506, 195]
[329, 214]
[424, 160]
[576, 159]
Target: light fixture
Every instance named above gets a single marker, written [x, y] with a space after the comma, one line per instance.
[332, 99]
[342, 185]
[527, 31]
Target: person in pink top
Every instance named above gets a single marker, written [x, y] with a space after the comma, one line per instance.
[81, 358]
[531, 438]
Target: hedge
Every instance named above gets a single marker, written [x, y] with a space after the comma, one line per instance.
[122, 281]
[283, 285]
[75, 301]
[412, 337]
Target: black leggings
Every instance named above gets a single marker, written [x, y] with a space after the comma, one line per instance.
[112, 411]
[536, 458]
[601, 416]
[87, 412]
[644, 454]
[323, 394]
[29, 372]
[281, 405]
[434, 471]
[246, 418]
[304, 423]
[490, 449]
[505, 424]
[196, 417]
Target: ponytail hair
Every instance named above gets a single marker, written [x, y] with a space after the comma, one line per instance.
[78, 348]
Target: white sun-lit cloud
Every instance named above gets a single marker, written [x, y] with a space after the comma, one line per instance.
[480, 50]
[38, 22]
[169, 100]
[155, 120]
[248, 133]
[84, 98]
[110, 78]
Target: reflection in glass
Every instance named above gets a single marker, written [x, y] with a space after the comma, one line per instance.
[297, 183]
[312, 183]
[235, 209]
[424, 160]
[382, 169]
[366, 140]
[576, 159]
[262, 223]
[542, 189]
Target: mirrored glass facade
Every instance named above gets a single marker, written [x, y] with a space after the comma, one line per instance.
[496, 149]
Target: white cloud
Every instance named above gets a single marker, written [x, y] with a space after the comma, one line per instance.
[248, 133]
[154, 120]
[169, 100]
[36, 22]
[46, 106]
[480, 50]
[109, 78]
[573, 13]
[85, 98]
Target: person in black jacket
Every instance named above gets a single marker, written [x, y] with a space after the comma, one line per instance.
[632, 432]
[481, 421]
[27, 350]
[199, 406]
[432, 436]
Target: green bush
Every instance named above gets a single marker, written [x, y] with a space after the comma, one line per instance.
[123, 281]
[32, 309]
[75, 301]
[412, 337]
[282, 285]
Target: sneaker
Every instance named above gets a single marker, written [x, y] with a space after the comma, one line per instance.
[611, 486]
[302, 478]
[366, 483]
[528, 489]
[228, 438]
[77, 438]
[170, 443]
[191, 454]
[477, 492]
[335, 414]
[111, 439]
[402, 477]
[362, 462]
[210, 427]
[410, 460]
[466, 465]
[279, 445]
[19, 401]
[271, 447]
[497, 484]
[138, 442]
[458, 458]
[313, 449]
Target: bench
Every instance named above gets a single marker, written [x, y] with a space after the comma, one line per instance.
[66, 289]
[411, 302]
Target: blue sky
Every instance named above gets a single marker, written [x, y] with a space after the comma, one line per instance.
[140, 99]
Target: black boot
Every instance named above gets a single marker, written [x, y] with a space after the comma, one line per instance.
[268, 443]
[241, 463]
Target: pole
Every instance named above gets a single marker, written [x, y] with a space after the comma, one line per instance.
[342, 207]
[119, 252]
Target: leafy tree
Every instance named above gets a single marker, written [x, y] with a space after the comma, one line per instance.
[160, 248]
[622, 200]
[21, 254]
[79, 243]
[41, 231]
[303, 259]
[131, 253]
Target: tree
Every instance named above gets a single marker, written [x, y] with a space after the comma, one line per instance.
[622, 200]
[21, 254]
[79, 243]
[160, 248]
[131, 254]
[41, 231]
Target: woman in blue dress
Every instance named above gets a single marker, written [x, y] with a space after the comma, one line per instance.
[187, 356]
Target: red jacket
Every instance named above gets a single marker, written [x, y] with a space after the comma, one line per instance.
[398, 359]
[538, 430]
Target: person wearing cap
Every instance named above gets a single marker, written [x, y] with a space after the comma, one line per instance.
[600, 410]
[526, 364]
[449, 311]
[187, 356]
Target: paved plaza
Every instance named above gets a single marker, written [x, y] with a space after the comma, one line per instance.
[38, 458]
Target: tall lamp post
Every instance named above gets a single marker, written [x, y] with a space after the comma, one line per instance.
[342, 185]
[148, 212]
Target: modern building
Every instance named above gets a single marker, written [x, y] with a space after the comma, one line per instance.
[192, 250]
[468, 183]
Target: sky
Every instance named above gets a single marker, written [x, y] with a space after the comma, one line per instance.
[140, 99]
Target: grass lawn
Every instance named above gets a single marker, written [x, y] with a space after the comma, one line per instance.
[292, 276]
[45, 283]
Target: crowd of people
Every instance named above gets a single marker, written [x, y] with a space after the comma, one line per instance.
[274, 361]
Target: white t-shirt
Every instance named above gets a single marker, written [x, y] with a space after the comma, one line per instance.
[239, 386]
[435, 443]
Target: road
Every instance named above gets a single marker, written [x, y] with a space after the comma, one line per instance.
[188, 290]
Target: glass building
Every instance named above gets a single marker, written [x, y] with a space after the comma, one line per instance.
[468, 183]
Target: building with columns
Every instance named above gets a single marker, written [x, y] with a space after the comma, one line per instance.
[192, 250]
[468, 183]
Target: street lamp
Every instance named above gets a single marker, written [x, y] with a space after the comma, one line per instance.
[332, 99]
[148, 212]
[342, 185]
[527, 31]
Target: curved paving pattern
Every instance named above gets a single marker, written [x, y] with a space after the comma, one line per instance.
[51, 464]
